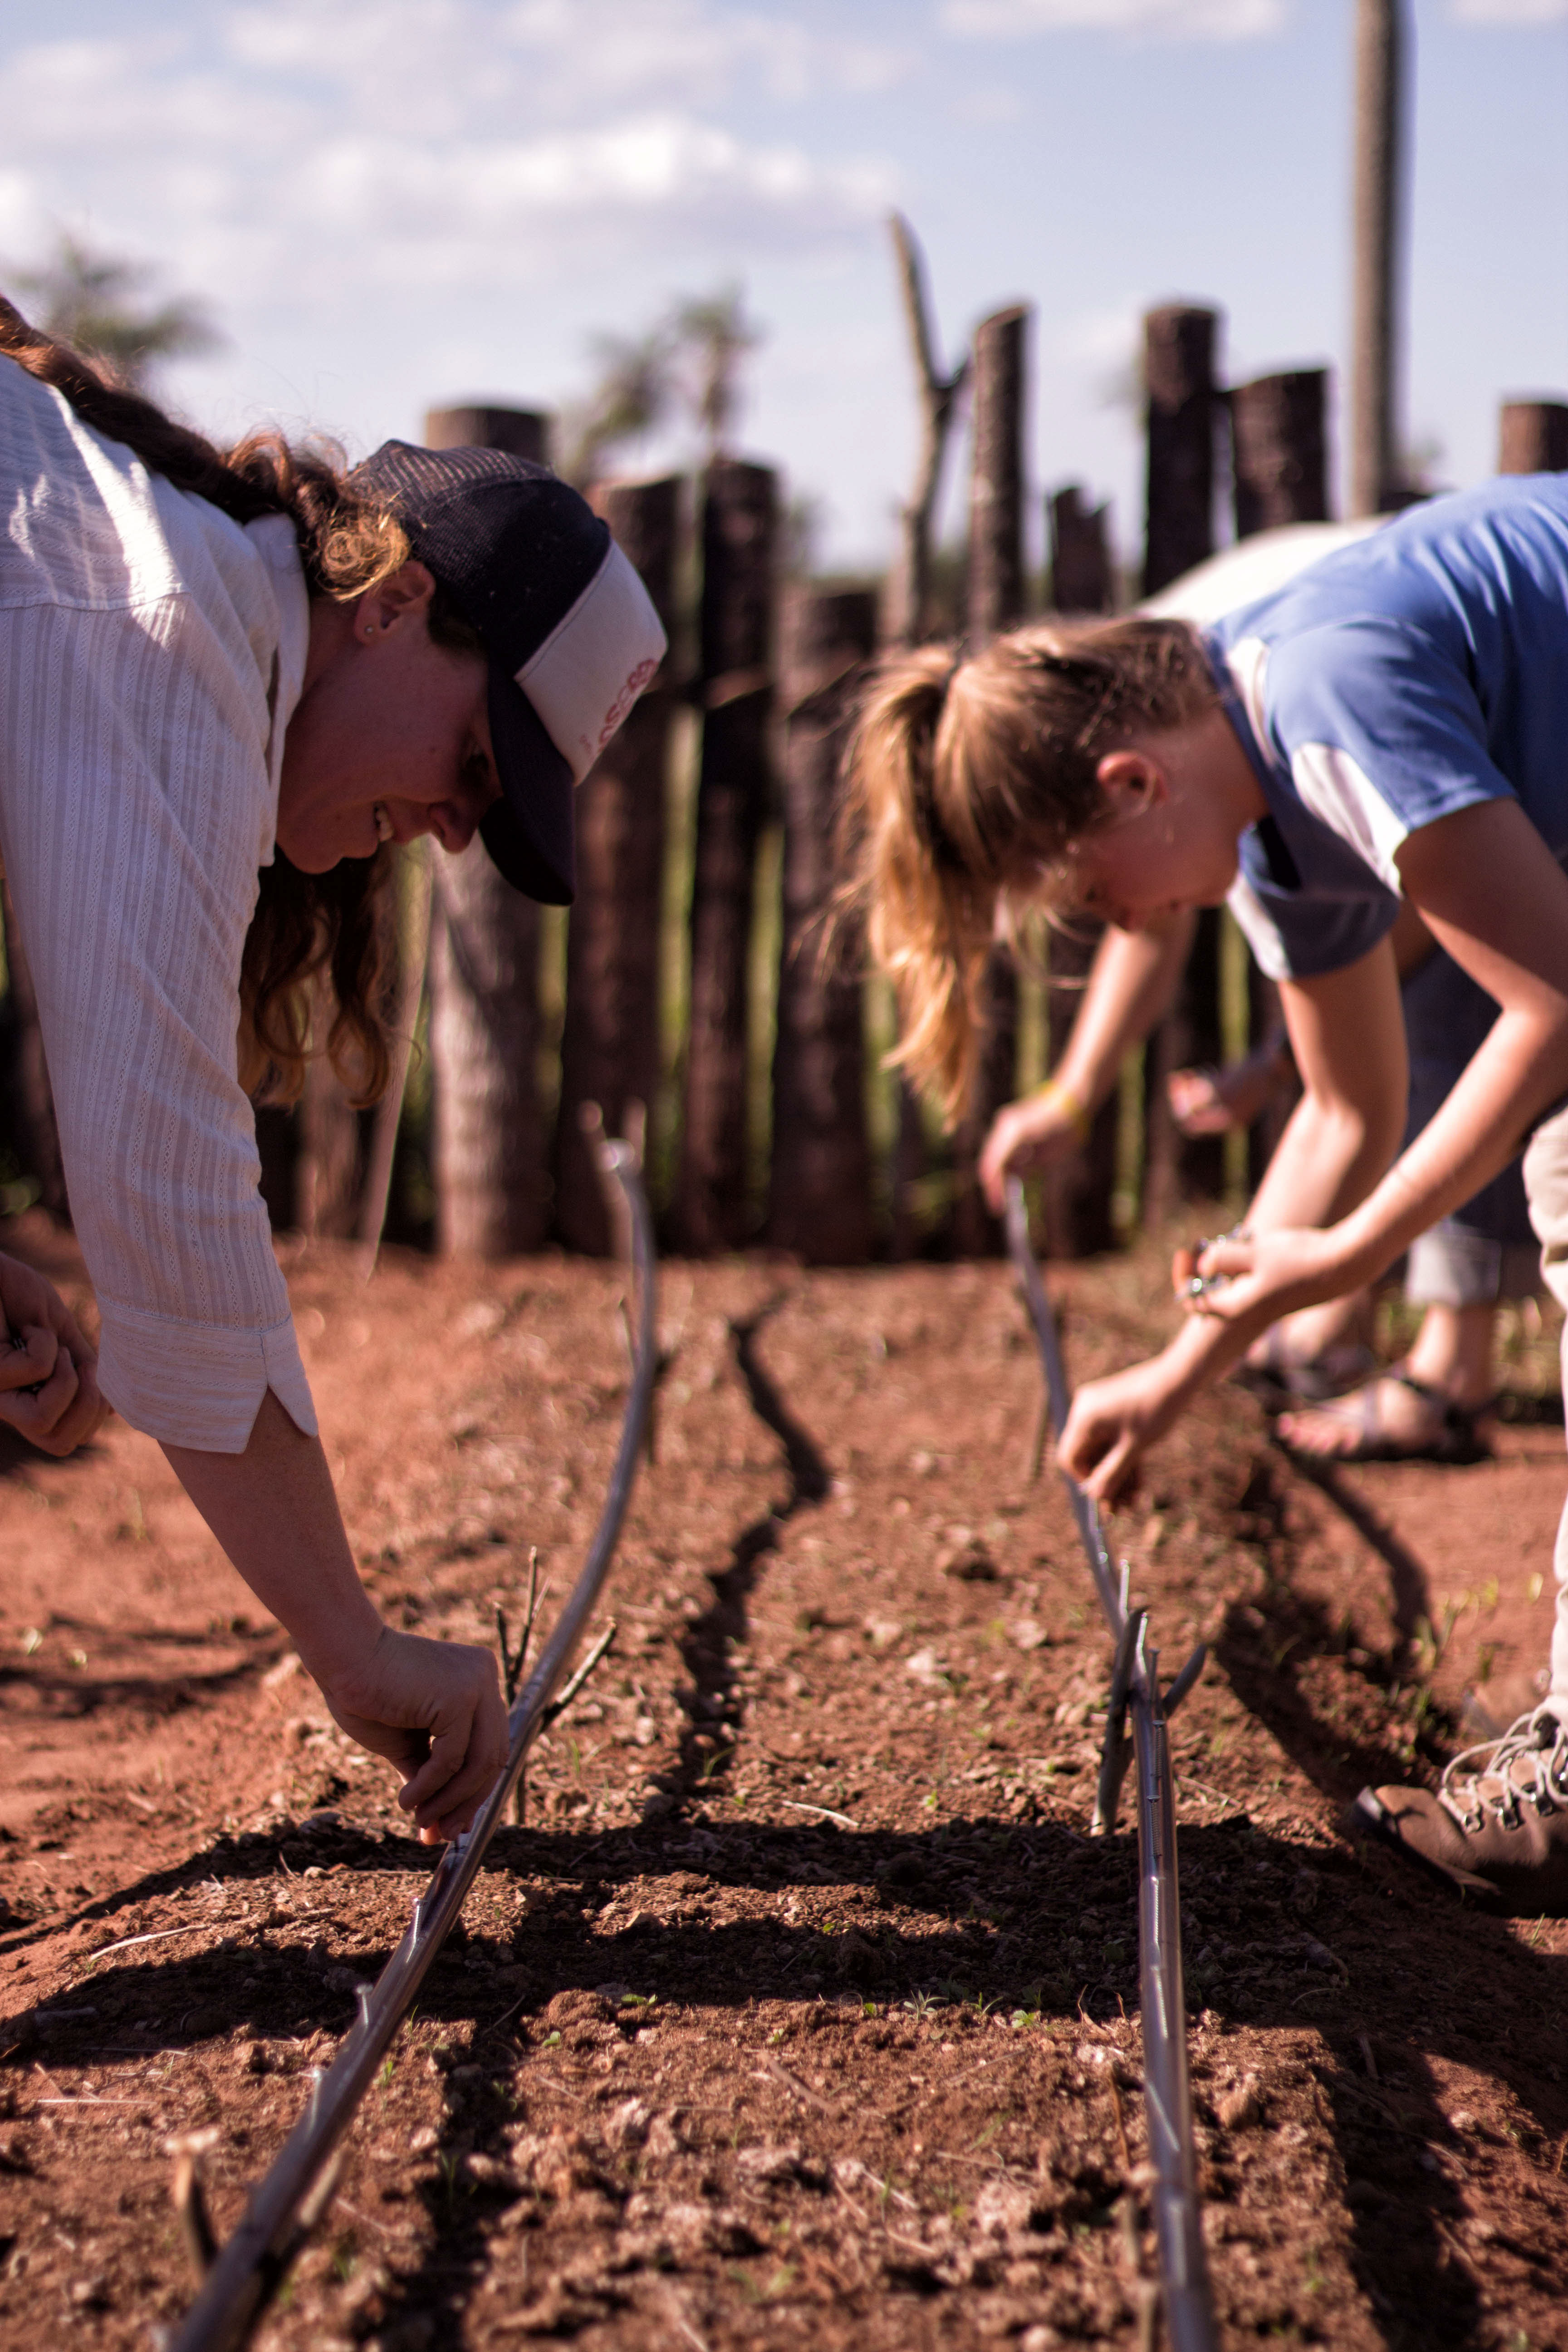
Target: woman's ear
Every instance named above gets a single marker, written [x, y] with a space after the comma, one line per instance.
[404, 595]
[1132, 783]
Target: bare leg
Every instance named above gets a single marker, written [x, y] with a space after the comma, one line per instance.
[1452, 1358]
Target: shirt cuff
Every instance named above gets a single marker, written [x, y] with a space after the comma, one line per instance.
[196, 1384]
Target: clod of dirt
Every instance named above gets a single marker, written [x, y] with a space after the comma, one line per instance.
[760, 2164]
[627, 2125]
[969, 1563]
[860, 1961]
[1240, 2108]
[1003, 2209]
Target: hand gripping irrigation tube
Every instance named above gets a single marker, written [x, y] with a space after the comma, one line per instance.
[285, 2206]
[1135, 1692]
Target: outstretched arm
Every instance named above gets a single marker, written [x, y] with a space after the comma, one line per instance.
[1348, 1035]
[1132, 983]
[1493, 896]
[432, 1709]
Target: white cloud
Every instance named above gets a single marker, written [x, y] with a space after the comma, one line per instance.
[1169, 20]
[1508, 11]
[436, 142]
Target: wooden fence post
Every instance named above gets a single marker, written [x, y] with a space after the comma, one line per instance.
[740, 511]
[996, 601]
[1082, 579]
[609, 1044]
[491, 1193]
[1182, 410]
[1533, 436]
[1280, 472]
[819, 1201]
[907, 620]
[490, 1157]
[327, 1179]
[1374, 472]
[27, 1099]
[521, 432]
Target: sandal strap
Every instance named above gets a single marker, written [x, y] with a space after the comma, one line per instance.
[1459, 1420]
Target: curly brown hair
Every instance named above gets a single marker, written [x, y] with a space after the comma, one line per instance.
[306, 925]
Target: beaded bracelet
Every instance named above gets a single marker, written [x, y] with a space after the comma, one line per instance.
[1063, 1099]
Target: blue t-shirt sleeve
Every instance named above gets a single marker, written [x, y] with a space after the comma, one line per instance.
[1403, 714]
[1371, 729]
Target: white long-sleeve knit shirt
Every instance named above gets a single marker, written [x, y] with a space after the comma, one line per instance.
[152, 652]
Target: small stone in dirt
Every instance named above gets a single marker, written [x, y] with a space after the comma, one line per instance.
[1029, 1634]
[91, 2294]
[421, 2142]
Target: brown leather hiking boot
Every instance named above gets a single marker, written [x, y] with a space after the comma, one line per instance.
[1495, 1827]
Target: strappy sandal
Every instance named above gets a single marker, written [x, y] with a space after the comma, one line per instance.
[1279, 1379]
[1456, 1439]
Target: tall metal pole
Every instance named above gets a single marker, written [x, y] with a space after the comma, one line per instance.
[1381, 38]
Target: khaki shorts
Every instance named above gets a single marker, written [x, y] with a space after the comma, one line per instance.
[1546, 1189]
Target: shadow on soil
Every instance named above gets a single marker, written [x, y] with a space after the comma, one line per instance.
[713, 1701]
[1363, 1722]
[1032, 1918]
[1035, 1918]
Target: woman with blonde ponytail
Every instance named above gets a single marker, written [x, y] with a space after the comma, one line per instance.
[1386, 729]
[971, 784]
[229, 687]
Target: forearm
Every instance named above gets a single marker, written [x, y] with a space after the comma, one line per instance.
[1132, 984]
[1328, 1158]
[1520, 1070]
[273, 1510]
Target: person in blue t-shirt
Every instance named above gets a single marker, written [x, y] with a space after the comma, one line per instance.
[1390, 726]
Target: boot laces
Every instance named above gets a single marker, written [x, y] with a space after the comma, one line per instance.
[1529, 1765]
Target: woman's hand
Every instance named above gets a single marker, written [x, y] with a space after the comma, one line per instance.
[48, 1373]
[434, 1709]
[1111, 1422]
[1270, 1274]
[1209, 1101]
[1042, 1127]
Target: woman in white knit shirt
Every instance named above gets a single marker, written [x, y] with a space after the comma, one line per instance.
[225, 687]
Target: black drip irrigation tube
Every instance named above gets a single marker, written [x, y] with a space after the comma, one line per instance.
[286, 2205]
[1136, 1695]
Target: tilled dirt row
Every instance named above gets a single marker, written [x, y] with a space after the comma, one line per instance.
[802, 2005]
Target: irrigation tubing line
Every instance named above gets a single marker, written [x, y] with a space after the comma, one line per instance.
[287, 2203]
[1135, 1692]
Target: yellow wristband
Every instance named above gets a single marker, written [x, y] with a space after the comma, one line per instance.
[1063, 1099]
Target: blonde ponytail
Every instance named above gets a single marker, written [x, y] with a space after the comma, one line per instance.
[966, 778]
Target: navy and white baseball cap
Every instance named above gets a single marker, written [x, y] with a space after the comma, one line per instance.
[571, 632]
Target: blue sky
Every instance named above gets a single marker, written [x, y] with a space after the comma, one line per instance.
[394, 203]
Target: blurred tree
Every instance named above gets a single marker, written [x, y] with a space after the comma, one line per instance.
[633, 396]
[688, 362]
[711, 337]
[95, 302]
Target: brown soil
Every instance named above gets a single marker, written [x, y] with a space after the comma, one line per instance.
[802, 2007]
